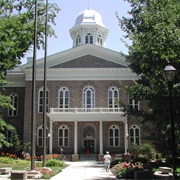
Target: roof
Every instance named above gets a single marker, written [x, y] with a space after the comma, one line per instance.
[89, 17]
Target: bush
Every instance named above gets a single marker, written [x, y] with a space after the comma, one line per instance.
[9, 160]
[145, 151]
[126, 170]
[55, 163]
[114, 162]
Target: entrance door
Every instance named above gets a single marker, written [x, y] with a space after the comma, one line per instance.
[88, 140]
[89, 146]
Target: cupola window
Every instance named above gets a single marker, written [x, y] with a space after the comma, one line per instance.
[89, 38]
[99, 40]
[78, 40]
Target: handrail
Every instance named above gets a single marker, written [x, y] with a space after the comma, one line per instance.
[85, 110]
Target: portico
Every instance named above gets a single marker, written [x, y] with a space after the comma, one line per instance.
[90, 135]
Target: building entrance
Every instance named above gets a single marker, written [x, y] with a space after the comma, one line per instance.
[88, 141]
[89, 146]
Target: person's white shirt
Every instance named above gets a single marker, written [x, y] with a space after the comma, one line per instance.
[107, 158]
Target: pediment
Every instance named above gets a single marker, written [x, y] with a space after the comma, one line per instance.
[89, 61]
[85, 56]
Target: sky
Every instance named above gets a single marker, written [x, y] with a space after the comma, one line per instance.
[66, 18]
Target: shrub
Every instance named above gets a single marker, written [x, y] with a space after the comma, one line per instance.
[9, 160]
[126, 170]
[114, 162]
[56, 163]
[145, 151]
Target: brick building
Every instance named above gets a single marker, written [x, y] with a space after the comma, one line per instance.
[83, 95]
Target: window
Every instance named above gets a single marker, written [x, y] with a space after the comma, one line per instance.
[113, 96]
[78, 40]
[40, 136]
[40, 100]
[134, 103]
[9, 136]
[63, 98]
[63, 135]
[99, 40]
[134, 135]
[88, 98]
[88, 131]
[89, 38]
[14, 103]
[114, 136]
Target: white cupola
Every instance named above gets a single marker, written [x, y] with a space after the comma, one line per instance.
[89, 28]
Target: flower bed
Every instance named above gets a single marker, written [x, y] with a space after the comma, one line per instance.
[126, 170]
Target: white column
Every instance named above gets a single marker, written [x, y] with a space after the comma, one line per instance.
[126, 136]
[75, 137]
[82, 36]
[51, 137]
[100, 137]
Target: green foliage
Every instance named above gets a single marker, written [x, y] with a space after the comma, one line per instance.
[27, 147]
[18, 164]
[55, 162]
[9, 160]
[146, 151]
[16, 35]
[15, 144]
[154, 30]
[114, 162]
[126, 170]
[17, 30]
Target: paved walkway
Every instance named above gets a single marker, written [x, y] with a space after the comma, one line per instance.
[84, 170]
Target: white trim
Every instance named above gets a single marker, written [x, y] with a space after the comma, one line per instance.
[101, 137]
[75, 137]
[97, 114]
[83, 74]
[73, 53]
[114, 136]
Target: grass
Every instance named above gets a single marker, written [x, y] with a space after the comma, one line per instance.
[19, 164]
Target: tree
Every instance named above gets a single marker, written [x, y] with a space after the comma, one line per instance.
[154, 30]
[17, 29]
[16, 36]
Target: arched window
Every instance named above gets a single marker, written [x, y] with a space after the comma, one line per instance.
[63, 136]
[88, 98]
[9, 136]
[134, 134]
[14, 103]
[40, 136]
[134, 103]
[78, 40]
[89, 38]
[114, 136]
[113, 97]
[99, 40]
[40, 100]
[88, 131]
[63, 98]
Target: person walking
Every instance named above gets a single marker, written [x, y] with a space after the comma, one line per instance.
[107, 161]
[61, 150]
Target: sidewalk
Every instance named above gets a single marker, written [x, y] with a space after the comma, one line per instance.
[84, 170]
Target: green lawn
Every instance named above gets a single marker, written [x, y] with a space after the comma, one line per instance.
[17, 164]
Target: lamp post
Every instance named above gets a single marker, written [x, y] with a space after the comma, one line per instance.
[169, 72]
